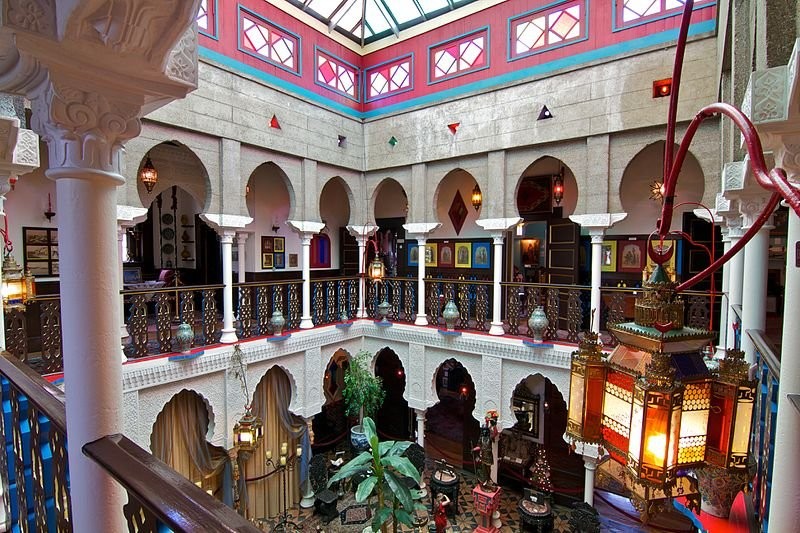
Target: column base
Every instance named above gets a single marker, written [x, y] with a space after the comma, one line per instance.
[497, 329]
[306, 322]
[308, 496]
[421, 320]
[361, 313]
[228, 336]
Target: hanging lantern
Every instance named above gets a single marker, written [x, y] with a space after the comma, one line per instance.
[15, 284]
[477, 197]
[558, 186]
[247, 432]
[730, 421]
[148, 175]
[376, 269]
[587, 384]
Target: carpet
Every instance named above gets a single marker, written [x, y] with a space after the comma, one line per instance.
[355, 514]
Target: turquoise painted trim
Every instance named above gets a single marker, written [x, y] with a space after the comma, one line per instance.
[510, 22]
[574, 60]
[215, 36]
[365, 78]
[298, 42]
[536, 344]
[676, 12]
[471, 33]
[334, 57]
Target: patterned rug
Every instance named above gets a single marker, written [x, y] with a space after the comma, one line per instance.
[355, 514]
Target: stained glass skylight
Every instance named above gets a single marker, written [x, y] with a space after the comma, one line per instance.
[365, 21]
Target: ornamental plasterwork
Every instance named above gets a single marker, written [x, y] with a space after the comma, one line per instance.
[598, 220]
[182, 62]
[416, 376]
[130, 418]
[223, 220]
[26, 153]
[363, 231]
[421, 229]
[769, 95]
[733, 176]
[497, 224]
[514, 373]
[129, 215]
[490, 392]
[313, 379]
[35, 16]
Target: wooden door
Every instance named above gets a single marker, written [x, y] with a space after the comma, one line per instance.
[563, 237]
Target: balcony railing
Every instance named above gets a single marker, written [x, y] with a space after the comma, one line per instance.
[257, 301]
[35, 471]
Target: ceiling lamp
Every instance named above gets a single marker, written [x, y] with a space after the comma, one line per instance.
[247, 432]
[657, 191]
[148, 175]
[18, 287]
[477, 197]
[558, 186]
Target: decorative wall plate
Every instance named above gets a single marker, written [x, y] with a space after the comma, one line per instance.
[167, 219]
[168, 249]
[168, 233]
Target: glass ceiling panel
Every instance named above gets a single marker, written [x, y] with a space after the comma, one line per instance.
[348, 17]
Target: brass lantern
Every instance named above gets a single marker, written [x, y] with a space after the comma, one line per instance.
[148, 175]
[558, 186]
[477, 197]
[247, 432]
[376, 268]
[18, 288]
[732, 403]
[587, 384]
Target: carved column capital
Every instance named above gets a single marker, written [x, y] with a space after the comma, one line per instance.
[751, 206]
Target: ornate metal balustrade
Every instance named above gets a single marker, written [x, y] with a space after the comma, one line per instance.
[564, 306]
[472, 298]
[33, 335]
[401, 293]
[152, 317]
[257, 301]
[333, 298]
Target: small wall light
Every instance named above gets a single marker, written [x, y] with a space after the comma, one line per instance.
[148, 175]
[662, 88]
[477, 197]
[558, 186]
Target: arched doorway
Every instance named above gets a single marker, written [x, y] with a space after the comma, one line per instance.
[331, 425]
[391, 210]
[392, 418]
[450, 429]
[334, 211]
[541, 421]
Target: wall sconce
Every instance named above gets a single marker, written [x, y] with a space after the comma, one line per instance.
[477, 197]
[49, 213]
[275, 228]
[148, 175]
[657, 191]
[558, 186]
[662, 88]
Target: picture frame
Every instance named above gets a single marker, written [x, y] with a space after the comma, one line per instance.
[40, 250]
[292, 260]
[446, 255]
[279, 244]
[535, 195]
[266, 260]
[267, 244]
[481, 255]
[463, 255]
[131, 275]
[279, 260]
[608, 256]
[632, 255]
[431, 254]
[413, 254]
[529, 250]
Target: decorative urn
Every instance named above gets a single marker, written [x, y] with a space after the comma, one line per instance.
[277, 322]
[538, 323]
[184, 337]
[450, 315]
[383, 310]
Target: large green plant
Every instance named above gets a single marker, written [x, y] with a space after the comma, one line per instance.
[363, 392]
[384, 468]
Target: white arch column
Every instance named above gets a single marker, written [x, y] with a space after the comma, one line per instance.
[497, 227]
[241, 239]
[420, 232]
[127, 217]
[306, 230]
[597, 224]
[362, 235]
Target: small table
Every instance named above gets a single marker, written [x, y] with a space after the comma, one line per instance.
[486, 503]
[445, 481]
[535, 515]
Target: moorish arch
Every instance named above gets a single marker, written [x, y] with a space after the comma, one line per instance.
[177, 164]
[390, 203]
[270, 199]
[452, 205]
[392, 419]
[331, 423]
[335, 208]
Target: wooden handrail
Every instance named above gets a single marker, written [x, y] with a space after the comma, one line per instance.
[47, 398]
[176, 501]
[268, 283]
[767, 351]
[171, 288]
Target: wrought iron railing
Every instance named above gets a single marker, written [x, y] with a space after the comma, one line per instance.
[257, 301]
[473, 299]
[333, 298]
[33, 334]
[401, 293]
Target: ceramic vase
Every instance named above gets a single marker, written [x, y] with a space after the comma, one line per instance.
[277, 322]
[383, 310]
[184, 337]
[719, 488]
[450, 315]
[358, 439]
[538, 323]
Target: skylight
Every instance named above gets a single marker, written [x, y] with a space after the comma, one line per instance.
[365, 21]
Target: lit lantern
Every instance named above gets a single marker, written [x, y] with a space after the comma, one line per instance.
[477, 197]
[148, 175]
[376, 269]
[247, 432]
[18, 288]
[732, 402]
[587, 384]
[558, 187]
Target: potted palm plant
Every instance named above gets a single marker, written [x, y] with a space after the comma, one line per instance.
[382, 470]
[363, 395]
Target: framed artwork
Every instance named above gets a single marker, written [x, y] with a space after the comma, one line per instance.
[266, 244]
[131, 275]
[431, 254]
[463, 255]
[631, 256]
[458, 212]
[446, 254]
[535, 195]
[279, 244]
[40, 252]
[278, 260]
[292, 260]
[413, 254]
[320, 251]
[481, 254]
[529, 252]
[670, 265]
[608, 256]
[266, 261]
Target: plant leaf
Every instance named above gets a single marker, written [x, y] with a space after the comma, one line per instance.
[369, 428]
[404, 517]
[402, 465]
[382, 515]
[399, 489]
[399, 447]
[365, 488]
[386, 447]
[352, 467]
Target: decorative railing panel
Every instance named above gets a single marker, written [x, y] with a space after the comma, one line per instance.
[765, 418]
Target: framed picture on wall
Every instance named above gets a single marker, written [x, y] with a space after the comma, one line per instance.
[279, 244]
[40, 252]
[266, 261]
[278, 260]
[529, 252]
[535, 195]
[631, 256]
[431, 254]
[292, 260]
[608, 256]
[266, 244]
[413, 254]
[446, 254]
[463, 255]
[481, 255]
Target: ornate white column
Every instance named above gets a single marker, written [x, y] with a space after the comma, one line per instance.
[361, 234]
[735, 282]
[496, 227]
[754, 285]
[420, 426]
[228, 331]
[589, 465]
[127, 217]
[241, 239]
[597, 224]
[420, 232]
[307, 230]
